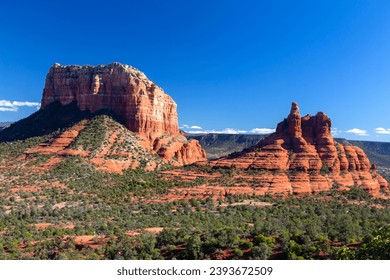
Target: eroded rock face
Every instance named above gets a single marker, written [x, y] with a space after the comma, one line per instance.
[143, 106]
[126, 91]
[304, 149]
[178, 150]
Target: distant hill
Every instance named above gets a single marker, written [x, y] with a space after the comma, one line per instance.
[218, 145]
[4, 125]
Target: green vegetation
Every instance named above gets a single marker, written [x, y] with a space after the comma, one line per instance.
[109, 206]
[44, 214]
[375, 246]
[324, 169]
[356, 193]
[93, 135]
[16, 148]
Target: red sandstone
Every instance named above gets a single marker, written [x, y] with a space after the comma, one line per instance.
[143, 106]
[302, 157]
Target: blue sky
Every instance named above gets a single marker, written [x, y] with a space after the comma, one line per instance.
[227, 64]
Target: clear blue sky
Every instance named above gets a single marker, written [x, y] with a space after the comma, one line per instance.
[227, 64]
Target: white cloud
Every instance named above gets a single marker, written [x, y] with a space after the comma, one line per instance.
[262, 130]
[381, 130]
[8, 109]
[335, 131]
[5, 103]
[186, 126]
[233, 131]
[26, 103]
[357, 131]
[13, 106]
[224, 131]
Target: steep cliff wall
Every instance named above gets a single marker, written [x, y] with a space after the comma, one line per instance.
[143, 106]
[126, 91]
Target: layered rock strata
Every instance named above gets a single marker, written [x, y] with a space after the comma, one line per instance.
[304, 151]
[143, 106]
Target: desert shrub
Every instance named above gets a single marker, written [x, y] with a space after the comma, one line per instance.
[261, 252]
[375, 246]
[324, 169]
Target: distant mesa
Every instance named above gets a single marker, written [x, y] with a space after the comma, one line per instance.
[304, 158]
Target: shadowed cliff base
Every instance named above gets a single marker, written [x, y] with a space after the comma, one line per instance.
[74, 95]
[54, 117]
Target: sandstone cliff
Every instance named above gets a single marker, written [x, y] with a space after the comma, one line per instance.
[126, 91]
[306, 159]
[143, 106]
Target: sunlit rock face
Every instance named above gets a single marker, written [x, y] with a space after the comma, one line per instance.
[143, 106]
[305, 158]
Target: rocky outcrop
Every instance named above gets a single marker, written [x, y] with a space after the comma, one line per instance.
[143, 106]
[178, 150]
[303, 148]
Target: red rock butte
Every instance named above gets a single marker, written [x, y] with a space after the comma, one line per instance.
[305, 158]
[123, 89]
[143, 106]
